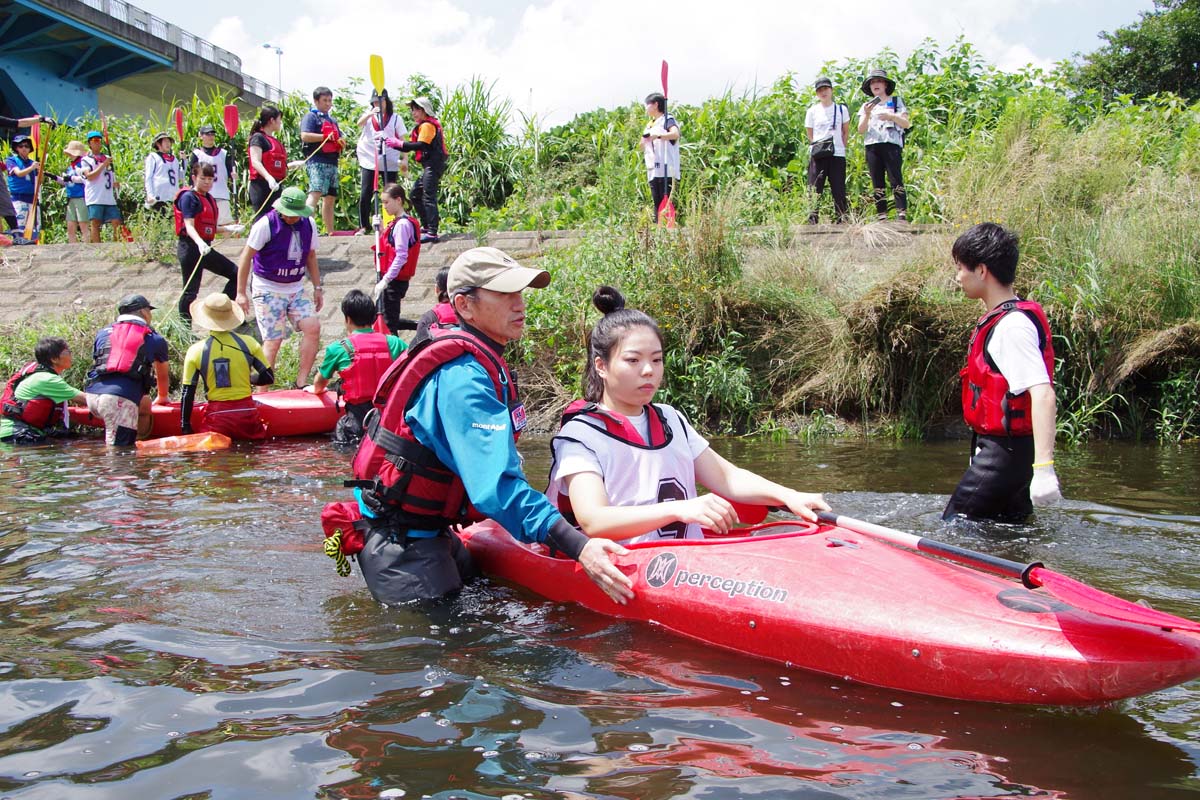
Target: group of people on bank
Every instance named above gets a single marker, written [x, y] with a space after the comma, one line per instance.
[883, 122]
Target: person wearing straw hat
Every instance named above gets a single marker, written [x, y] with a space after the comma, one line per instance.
[428, 144]
[229, 367]
[162, 174]
[447, 433]
[280, 249]
[882, 121]
[72, 180]
[128, 358]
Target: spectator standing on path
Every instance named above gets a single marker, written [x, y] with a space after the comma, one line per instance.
[828, 124]
[128, 358]
[221, 159]
[1007, 387]
[7, 212]
[372, 149]
[72, 179]
[196, 226]
[322, 144]
[882, 121]
[162, 174]
[660, 150]
[267, 159]
[22, 179]
[280, 250]
[428, 142]
[100, 188]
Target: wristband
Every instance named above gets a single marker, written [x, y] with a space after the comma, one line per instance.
[1049, 463]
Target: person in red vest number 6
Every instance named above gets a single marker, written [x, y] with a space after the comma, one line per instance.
[360, 359]
[625, 467]
[128, 359]
[442, 450]
[428, 142]
[1007, 387]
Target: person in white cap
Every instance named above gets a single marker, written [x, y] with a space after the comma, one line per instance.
[442, 452]
[428, 144]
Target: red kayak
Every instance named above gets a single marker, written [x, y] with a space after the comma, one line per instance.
[287, 412]
[824, 598]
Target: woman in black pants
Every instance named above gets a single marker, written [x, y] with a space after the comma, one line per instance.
[196, 218]
[827, 124]
[372, 150]
[882, 121]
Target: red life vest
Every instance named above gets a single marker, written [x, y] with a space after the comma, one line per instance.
[445, 314]
[988, 407]
[205, 221]
[370, 358]
[400, 477]
[274, 160]
[36, 411]
[333, 142]
[387, 249]
[121, 353]
[439, 139]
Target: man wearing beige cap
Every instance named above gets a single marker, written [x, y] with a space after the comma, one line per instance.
[443, 450]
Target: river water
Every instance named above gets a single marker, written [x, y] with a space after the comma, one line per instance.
[171, 630]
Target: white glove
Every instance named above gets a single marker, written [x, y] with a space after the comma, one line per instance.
[1043, 489]
[235, 227]
[148, 205]
[205, 248]
[271, 182]
[379, 287]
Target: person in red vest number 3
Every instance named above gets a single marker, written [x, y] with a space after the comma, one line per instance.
[1007, 387]
[442, 451]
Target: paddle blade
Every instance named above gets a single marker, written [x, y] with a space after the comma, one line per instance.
[187, 443]
[35, 133]
[377, 73]
[232, 120]
[1091, 599]
[664, 78]
[666, 213]
[179, 126]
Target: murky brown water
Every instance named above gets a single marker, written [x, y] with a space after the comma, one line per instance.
[171, 630]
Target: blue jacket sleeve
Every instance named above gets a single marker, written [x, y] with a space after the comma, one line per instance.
[458, 416]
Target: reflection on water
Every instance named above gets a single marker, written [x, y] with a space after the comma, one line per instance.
[171, 630]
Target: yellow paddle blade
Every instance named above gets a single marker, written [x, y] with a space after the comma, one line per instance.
[377, 73]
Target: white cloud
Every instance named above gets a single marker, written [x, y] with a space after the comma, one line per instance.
[576, 55]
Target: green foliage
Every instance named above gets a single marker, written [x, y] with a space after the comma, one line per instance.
[1178, 414]
[1159, 53]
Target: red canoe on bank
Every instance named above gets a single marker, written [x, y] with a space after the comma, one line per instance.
[823, 598]
[287, 412]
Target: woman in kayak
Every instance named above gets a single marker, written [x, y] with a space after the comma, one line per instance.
[625, 468]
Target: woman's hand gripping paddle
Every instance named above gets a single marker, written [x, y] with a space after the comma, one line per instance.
[232, 122]
[377, 85]
[666, 209]
[39, 155]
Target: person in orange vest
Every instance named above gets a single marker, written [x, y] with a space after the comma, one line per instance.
[428, 142]
[360, 359]
[1007, 387]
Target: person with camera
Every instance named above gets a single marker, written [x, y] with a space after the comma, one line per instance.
[827, 124]
[660, 147]
[882, 121]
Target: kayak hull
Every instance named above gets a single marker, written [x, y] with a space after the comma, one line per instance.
[286, 412]
[832, 601]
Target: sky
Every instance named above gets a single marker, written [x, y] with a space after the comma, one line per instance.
[558, 58]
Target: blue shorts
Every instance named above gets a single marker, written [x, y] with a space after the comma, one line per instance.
[104, 213]
[322, 178]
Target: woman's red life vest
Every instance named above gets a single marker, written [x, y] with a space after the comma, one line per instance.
[400, 478]
[122, 354]
[370, 358]
[36, 411]
[445, 314]
[274, 160]
[387, 249]
[439, 139]
[205, 221]
[333, 136]
[988, 407]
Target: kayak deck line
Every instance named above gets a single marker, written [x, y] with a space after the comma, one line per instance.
[829, 600]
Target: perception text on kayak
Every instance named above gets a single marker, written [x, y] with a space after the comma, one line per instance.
[663, 568]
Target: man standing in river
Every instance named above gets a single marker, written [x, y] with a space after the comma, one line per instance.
[1007, 387]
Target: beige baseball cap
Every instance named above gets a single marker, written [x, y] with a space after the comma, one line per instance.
[492, 268]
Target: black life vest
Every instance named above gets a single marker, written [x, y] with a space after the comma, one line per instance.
[437, 148]
[402, 479]
[205, 221]
[370, 358]
[988, 407]
[34, 412]
[122, 353]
